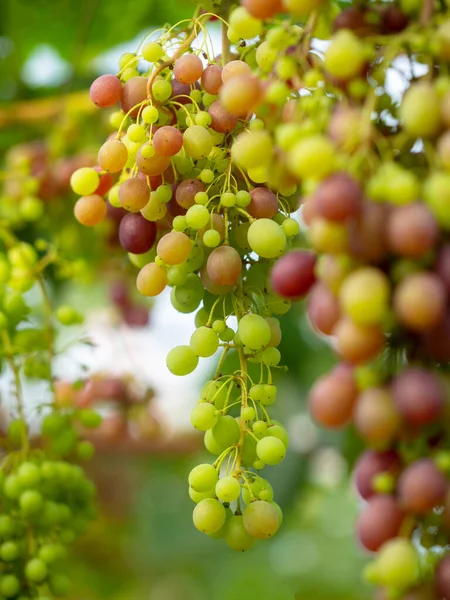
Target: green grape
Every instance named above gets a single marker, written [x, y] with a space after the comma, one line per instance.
[398, 563]
[436, 192]
[256, 487]
[9, 586]
[9, 551]
[150, 115]
[197, 142]
[266, 238]
[312, 157]
[228, 489]
[59, 584]
[248, 413]
[209, 515]
[291, 227]
[85, 450]
[211, 238]
[161, 90]
[67, 315]
[420, 112]
[28, 474]
[176, 275]
[227, 335]
[254, 331]
[260, 520]
[201, 317]
[36, 570]
[243, 25]
[163, 193]
[243, 198]
[226, 431]
[196, 259]
[89, 418]
[236, 536]
[84, 181]
[252, 149]
[271, 356]
[180, 223]
[181, 360]
[152, 52]
[127, 59]
[190, 293]
[277, 93]
[276, 430]
[259, 427]
[278, 306]
[271, 450]
[364, 296]
[203, 477]
[214, 391]
[30, 502]
[207, 176]
[52, 553]
[203, 416]
[201, 198]
[210, 443]
[204, 342]
[8, 527]
[266, 56]
[228, 199]
[12, 487]
[346, 55]
[203, 119]
[197, 216]
[198, 496]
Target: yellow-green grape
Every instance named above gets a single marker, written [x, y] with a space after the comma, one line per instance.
[226, 431]
[84, 181]
[243, 198]
[436, 192]
[266, 238]
[197, 142]
[346, 55]
[181, 360]
[364, 296]
[286, 67]
[228, 199]
[209, 515]
[259, 174]
[266, 56]
[248, 413]
[398, 564]
[254, 331]
[204, 342]
[270, 356]
[161, 90]
[126, 60]
[236, 536]
[177, 275]
[31, 208]
[136, 133]
[150, 115]
[116, 118]
[252, 149]
[197, 216]
[152, 52]
[271, 450]
[207, 176]
[261, 520]
[198, 496]
[312, 157]
[211, 238]
[244, 25]
[420, 112]
[113, 196]
[301, 8]
[203, 416]
[276, 430]
[202, 118]
[67, 315]
[228, 489]
[203, 477]
[291, 227]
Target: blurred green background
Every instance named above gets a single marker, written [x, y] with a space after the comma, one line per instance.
[144, 546]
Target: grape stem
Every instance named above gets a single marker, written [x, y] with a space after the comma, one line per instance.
[9, 353]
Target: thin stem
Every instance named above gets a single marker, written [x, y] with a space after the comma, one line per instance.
[9, 353]
[226, 54]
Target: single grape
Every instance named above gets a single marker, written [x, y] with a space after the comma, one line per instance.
[203, 416]
[236, 536]
[271, 450]
[181, 360]
[266, 238]
[209, 515]
[203, 477]
[228, 489]
[204, 341]
[261, 520]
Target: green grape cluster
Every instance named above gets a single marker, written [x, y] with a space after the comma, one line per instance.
[213, 155]
[46, 499]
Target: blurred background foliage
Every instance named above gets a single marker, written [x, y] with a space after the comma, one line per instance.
[144, 545]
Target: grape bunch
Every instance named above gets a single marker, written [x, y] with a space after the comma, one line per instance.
[46, 500]
[214, 154]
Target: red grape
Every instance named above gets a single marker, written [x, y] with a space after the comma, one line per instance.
[293, 274]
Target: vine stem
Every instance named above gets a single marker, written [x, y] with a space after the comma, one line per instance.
[48, 319]
[9, 353]
[243, 365]
[226, 54]
[427, 12]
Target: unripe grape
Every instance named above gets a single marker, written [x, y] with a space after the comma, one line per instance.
[364, 296]
[209, 515]
[420, 111]
[36, 570]
[398, 564]
[152, 51]
[181, 360]
[84, 181]
[244, 25]
[204, 341]
[252, 149]
[203, 416]
[266, 238]
[197, 142]
[271, 450]
[203, 477]
[236, 536]
[312, 157]
[228, 489]
[346, 56]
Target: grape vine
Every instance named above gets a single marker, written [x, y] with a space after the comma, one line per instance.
[213, 155]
